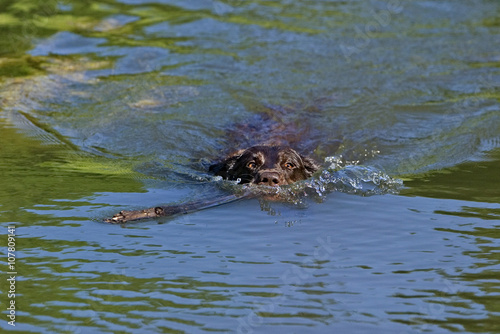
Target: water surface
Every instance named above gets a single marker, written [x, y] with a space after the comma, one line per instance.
[115, 105]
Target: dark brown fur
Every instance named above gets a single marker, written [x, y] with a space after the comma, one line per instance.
[266, 165]
[268, 161]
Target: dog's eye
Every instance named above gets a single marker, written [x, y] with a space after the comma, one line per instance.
[251, 164]
[289, 165]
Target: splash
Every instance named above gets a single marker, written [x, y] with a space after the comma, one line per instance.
[353, 179]
[338, 176]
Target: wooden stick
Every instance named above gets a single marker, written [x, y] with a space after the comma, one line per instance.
[170, 210]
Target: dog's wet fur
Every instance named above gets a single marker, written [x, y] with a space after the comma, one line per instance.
[266, 165]
[269, 159]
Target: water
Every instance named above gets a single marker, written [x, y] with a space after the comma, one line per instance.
[119, 105]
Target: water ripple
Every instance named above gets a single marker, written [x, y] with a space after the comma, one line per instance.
[337, 176]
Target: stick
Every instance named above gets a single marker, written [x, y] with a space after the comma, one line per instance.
[170, 210]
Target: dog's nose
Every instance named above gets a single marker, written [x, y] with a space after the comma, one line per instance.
[269, 179]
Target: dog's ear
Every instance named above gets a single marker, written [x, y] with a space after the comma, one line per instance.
[224, 167]
[310, 165]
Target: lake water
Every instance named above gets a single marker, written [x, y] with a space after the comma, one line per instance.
[112, 105]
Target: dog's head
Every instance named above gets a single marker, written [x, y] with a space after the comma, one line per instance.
[266, 165]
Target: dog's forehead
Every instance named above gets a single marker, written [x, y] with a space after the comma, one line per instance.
[253, 152]
[289, 153]
[270, 153]
[264, 151]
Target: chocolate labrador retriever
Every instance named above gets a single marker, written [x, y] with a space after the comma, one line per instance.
[258, 165]
[269, 162]
[266, 165]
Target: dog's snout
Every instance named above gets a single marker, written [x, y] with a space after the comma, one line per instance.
[269, 179]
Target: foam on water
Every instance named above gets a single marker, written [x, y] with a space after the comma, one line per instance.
[337, 176]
